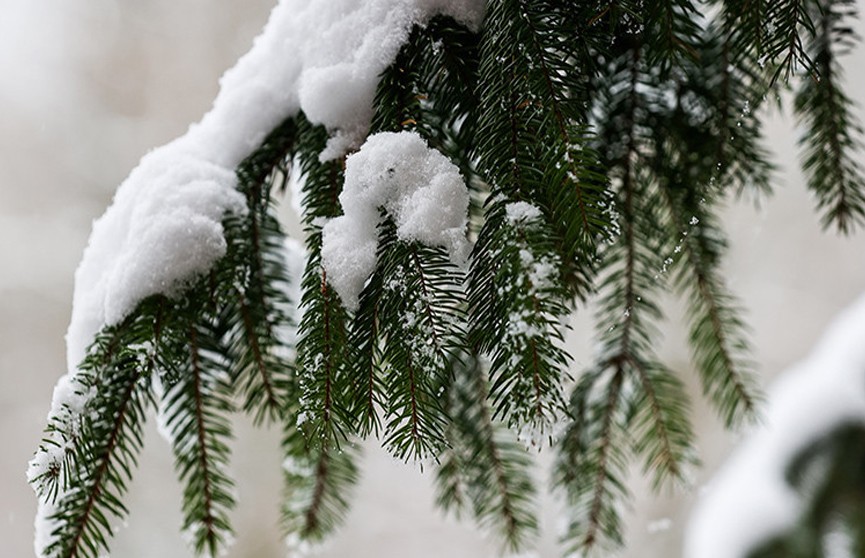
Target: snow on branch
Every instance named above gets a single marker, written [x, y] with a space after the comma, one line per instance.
[418, 187]
[322, 57]
[164, 226]
[750, 499]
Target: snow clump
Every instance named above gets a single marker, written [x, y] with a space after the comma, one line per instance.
[521, 212]
[418, 187]
[322, 57]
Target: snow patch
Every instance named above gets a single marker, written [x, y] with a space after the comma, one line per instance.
[418, 187]
[521, 212]
[164, 226]
[163, 229]
[749, 500]
[324, 58]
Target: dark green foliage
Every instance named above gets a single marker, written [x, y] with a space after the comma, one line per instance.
[674, 32]
[318, 481]
[319, 470]
[195, 408]
[787, 23]
[717, 333]
[517, 301]
[421, 297]
[591, 463]
[832, 135]
[109, 437]
[533, 127]
[321, 360]
[257, 314]
[224, 332]
[431, 88]
[485, 469]
[597, 141]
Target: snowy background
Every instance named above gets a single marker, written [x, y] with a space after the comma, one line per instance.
[88, 86]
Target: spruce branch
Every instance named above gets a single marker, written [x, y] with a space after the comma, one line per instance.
[744, 22]
[256, 319]
[318, 482]
[672, 31]
[787, 22]
[591, 464]
[322, 349]
[531, 99]
[484, 464]
[318, 470]
[321, 353]
[421, 313]
[260, 388]
[718, 338]
[106, 442]
[517, 305]
[430, 89]
[714, 126]
[64, 429]
[833, 136]
[195, 404]
[660, 426]
[257, 309]
[588, 136]
[365, 365]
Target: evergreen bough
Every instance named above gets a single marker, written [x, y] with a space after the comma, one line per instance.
[620, 126]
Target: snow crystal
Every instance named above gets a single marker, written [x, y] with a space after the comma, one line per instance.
[749, 500]
[418, 187]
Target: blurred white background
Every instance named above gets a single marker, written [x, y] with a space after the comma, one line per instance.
[88, 86]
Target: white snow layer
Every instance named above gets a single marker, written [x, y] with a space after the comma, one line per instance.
[749, 500]
[418, 187]
[322, 57]
[163, 228]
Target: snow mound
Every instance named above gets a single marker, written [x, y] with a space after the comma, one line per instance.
[418, 187]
